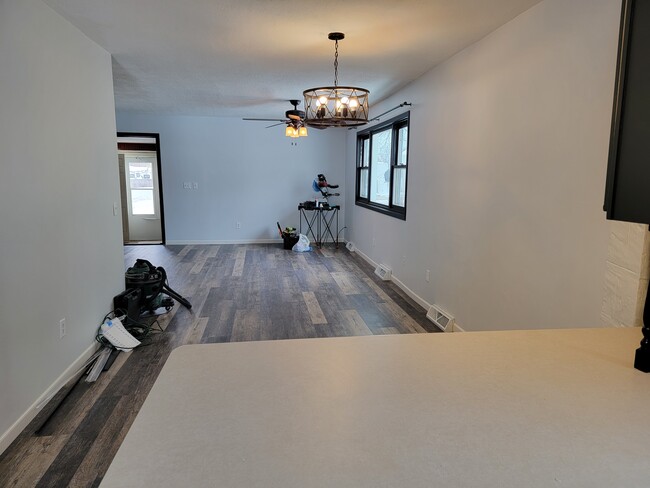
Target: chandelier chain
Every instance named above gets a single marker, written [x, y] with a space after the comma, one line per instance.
[336, 63]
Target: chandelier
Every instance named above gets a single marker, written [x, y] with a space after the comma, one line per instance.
[336, 106]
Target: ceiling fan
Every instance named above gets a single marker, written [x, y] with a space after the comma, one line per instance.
[295, 121]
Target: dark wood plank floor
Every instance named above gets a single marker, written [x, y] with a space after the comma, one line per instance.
[238, 293]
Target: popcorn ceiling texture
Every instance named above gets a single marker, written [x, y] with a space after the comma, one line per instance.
[626, 277]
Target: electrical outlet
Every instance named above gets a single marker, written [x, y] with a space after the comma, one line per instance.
[238, 225]
[427, 275]
[195, 185]
[373, 242]
[61, 328]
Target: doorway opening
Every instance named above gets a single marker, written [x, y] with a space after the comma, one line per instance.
[141, 188]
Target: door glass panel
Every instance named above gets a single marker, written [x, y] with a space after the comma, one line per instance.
[141, 183]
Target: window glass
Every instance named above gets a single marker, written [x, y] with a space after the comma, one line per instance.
[380, 167]
[402, 145]
[399, 187]
[365, 159]
[363, 186]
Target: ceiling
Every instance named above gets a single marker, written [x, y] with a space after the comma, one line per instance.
[245, 58]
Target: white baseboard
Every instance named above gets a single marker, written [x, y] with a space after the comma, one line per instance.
[239, 241]
[8, 437]
[457, 328]
[366, 258]
[421, 301]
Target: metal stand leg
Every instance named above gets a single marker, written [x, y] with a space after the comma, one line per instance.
[327, 226]
[310, 224]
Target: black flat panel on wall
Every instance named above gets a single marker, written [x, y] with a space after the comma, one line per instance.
[627, 193]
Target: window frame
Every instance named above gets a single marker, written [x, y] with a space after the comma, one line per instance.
[395, 125]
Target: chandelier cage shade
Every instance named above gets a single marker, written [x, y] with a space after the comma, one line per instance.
[336, 106]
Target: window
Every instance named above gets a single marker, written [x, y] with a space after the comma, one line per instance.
[382, 157]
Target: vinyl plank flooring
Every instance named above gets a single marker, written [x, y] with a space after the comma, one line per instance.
[66, 463]
[220, 323]
[238, 267]
[313, 307]
[199, 262]
[98, 456]
[355, 322]
[35, 458]
[212, 251]
[196, 332]
[346, 283]
[238, 293]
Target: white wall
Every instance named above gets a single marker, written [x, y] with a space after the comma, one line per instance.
[508, 151]
[245, 173]
[60, 247]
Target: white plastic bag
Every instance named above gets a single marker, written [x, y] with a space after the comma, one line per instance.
[302, 245]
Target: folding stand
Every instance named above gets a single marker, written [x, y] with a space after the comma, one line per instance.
[327, 225]
[319, 223]
[311, 221]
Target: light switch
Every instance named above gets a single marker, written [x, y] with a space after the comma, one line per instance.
[186, 185]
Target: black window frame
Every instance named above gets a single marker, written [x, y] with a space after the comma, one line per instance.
[395, 125]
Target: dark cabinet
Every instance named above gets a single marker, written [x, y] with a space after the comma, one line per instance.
[627, 193]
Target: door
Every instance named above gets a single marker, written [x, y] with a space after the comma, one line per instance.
[141, 192]
[142, 196]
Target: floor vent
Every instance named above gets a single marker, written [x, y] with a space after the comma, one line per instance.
[383, 272]
[440, 318]
[350, 246]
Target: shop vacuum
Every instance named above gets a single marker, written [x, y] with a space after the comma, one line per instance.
[146, 287]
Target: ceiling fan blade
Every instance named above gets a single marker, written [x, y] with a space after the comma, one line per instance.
[265, 120]
[275, 125]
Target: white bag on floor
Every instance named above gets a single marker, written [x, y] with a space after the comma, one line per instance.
[302, 245]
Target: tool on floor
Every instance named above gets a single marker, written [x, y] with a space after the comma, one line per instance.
[151, 281]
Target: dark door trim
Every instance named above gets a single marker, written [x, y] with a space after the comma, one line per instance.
[125, 146]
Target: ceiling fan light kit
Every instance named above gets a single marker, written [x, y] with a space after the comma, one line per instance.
[336, 106]
[295, 121]
[293, 131]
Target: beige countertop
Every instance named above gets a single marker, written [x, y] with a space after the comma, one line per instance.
[551, 408]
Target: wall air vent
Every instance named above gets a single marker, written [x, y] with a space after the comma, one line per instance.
[384, 272]
[440, 318]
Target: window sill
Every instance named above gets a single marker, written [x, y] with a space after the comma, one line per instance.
[398, 214]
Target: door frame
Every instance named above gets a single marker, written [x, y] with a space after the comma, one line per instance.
[130, 146]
